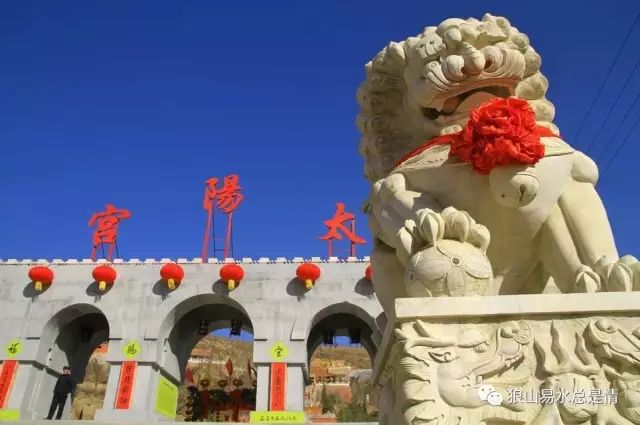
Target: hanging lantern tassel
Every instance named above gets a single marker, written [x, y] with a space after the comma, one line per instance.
[308, 273]
[104, 275]
[308, 283]
[172, 274]
[40, 276]
[232, 274]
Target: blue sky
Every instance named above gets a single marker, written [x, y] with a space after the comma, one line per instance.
[137, 103]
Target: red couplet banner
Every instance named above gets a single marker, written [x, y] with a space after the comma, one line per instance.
[125, 385]
[6, 379]
[278, 386]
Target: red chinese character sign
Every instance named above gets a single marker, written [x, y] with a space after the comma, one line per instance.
[226, 199]
[6, 380]
[125, 385]
[337, 226]
[106, 223]
[278, 391]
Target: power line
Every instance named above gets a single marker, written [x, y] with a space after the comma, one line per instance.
[606, 78]
[615, 103]
[615, 134]
[624, 142]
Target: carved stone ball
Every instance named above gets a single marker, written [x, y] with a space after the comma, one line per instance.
[448, 269]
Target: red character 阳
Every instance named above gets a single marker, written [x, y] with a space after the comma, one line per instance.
[210, 193]
[229, 196]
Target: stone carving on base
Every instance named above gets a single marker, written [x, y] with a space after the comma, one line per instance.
[441, 375]
[573, 386]
[564, 371]
[619, 350]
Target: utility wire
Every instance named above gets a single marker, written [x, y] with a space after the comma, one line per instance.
[625, 140]
[624, 119]
[606, 78]
[613, 107]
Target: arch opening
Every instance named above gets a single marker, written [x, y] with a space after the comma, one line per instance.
[340, 352]
[77, 336]
[209, 348]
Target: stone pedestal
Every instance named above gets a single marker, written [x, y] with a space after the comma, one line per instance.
[521, 359]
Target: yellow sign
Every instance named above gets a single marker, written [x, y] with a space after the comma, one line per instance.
[277, 417]
[13, 348]
[279, 351]
[9, 414]
[166, 398]
[132, 349]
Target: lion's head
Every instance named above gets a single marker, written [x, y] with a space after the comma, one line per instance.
[418, 87]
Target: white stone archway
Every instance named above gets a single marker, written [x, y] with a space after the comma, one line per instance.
[68, 338]
[178, 333]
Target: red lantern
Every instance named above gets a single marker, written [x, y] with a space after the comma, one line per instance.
[41, 275]
[308, 273]
[368, 273]
[172, 274]
[232, 274]
[104, 275]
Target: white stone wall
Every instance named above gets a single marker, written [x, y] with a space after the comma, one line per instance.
[139, 307]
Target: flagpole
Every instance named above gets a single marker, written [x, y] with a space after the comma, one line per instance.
[206, 234]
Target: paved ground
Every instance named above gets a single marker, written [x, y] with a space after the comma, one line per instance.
[133, 423]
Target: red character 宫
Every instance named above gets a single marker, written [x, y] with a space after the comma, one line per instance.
[106, 232]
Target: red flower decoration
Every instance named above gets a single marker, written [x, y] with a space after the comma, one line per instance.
[499, 132]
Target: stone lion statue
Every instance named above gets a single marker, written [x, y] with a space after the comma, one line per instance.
[460, 146]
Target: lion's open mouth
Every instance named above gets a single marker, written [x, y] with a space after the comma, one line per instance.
[466, 101]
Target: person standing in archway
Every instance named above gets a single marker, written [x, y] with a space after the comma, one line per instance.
[65, 385]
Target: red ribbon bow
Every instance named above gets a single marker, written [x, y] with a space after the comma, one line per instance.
[499, 132]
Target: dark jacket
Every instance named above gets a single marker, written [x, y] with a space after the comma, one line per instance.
[64, 385]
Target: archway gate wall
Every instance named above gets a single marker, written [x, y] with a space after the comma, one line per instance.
[139, 308]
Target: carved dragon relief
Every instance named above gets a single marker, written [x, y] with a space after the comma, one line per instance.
[619, 351]
[582, 371]
[438, 377]
[528, 220]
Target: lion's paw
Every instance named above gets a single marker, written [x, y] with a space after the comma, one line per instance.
[587, 280]
[451, 224]
[447, 255]
[619, 276]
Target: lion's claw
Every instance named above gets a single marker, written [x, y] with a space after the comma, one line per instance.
[451, 224]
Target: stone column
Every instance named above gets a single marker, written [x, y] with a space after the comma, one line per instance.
[262, 390]
[295, 387]
[295, 382]
[143, 394]
[30, 394]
